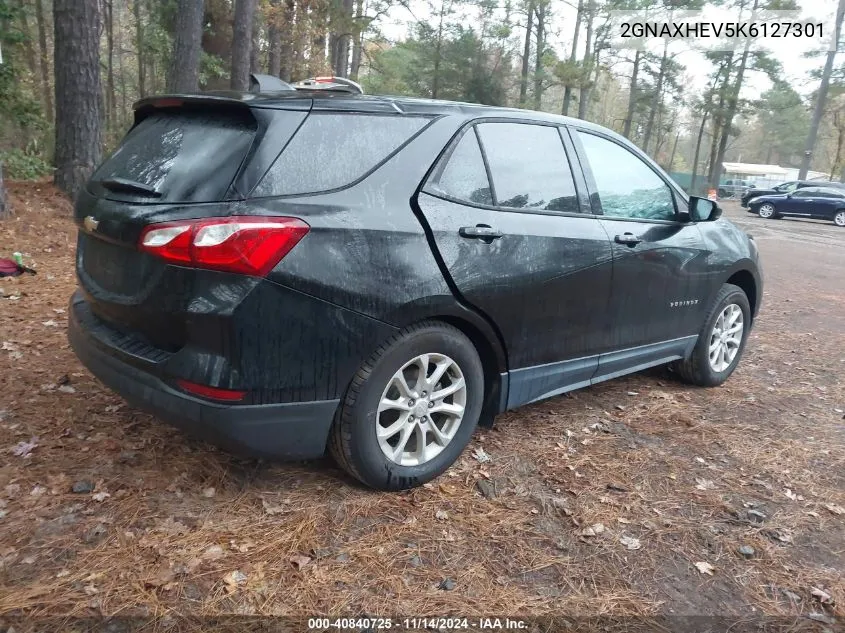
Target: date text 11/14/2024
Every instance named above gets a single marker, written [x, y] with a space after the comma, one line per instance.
[416, 624]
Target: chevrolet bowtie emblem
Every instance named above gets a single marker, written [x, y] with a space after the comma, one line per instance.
[90, 223]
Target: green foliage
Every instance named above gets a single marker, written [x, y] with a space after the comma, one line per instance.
[782, 122]
[20, 110]
[211, 67]
[467, 68]
[389, 69]
[24, 164]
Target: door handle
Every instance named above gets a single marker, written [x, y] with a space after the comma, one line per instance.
[629, 239]
[482, 232]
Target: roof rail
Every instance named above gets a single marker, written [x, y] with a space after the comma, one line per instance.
[267, 83]
[338, 84]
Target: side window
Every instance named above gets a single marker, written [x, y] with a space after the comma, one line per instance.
[528, 166]
[334, 150]
[627, 186]
[461, 174]
[790, 187]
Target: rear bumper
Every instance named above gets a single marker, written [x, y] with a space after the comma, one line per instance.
[297, 430]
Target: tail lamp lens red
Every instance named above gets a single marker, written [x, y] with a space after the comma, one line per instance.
[240, 244]
[215, 393]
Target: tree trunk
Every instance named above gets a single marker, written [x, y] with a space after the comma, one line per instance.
[344, 40]
[255, 47]
[139, 47]
[111, 106]
[5, 209]
[183, 74]
[46, 93]
[538, 61]
[821, 97]
[697, 151]
[592, 80]
[573, 57]
[674, 149]
[583, 94]
[274, 39]
[217, 38]
[124, 106]
[632, 96]
[242, 44]
[717, 116]
[526, 54]
[733, 99]
[28, 48]
[358, 41]
[286, 33]
[435, 81]
[658, 102]
[77, 64]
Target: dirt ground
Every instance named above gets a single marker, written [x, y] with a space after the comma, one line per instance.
[626, 499]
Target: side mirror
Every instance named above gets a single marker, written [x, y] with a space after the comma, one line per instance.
[703, 210]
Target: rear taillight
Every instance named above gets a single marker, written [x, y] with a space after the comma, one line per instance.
[239, 244]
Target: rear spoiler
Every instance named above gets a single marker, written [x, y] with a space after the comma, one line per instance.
[259, 84]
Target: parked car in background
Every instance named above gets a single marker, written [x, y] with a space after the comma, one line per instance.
[733, 187]
[288, 271]
[785, 187]
[823, 203]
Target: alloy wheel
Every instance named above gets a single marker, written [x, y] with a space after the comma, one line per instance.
[726, 337]
[839, 218]
[421, 409]
[766, 211]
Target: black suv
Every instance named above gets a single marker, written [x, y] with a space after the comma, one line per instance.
[282, 273]
[784, 188]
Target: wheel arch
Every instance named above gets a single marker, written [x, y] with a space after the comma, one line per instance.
[484, 336]
[495, 378]
[745, 280]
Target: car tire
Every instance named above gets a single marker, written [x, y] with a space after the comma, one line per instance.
[700, 368]
[722, 193]
[767, 211]
[839, 218]
[355, 442]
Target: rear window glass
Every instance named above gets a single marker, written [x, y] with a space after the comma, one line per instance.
[184, 155]
[334, 150]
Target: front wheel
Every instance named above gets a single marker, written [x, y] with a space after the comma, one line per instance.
[839, 218]
[411, 408]
[721, 340]
[766, 210]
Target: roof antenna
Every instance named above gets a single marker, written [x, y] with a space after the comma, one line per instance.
[267, 83]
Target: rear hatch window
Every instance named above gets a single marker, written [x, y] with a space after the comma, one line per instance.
[177, 156]
[334, 150]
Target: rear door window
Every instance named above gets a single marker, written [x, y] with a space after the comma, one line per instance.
[460, 174]
[186, 155]
[528, 167]
[334, 150]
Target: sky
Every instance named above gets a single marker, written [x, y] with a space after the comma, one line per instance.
[789, 52]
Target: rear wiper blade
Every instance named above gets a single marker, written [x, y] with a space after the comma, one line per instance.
[123, 184]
